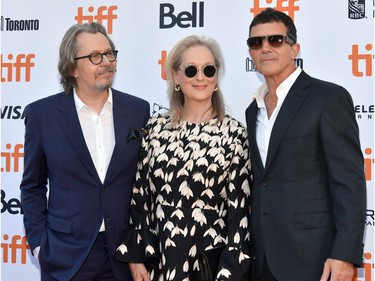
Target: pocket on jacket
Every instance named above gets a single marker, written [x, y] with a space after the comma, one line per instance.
[59, 224]
[313, 220]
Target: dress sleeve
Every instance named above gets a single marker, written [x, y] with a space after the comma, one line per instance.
[235, 261]
[140, 241]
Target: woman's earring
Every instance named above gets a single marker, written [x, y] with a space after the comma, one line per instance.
[216, 88]
[177, 88]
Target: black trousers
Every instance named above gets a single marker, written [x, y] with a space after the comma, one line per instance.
[96, 267]
[266, 273]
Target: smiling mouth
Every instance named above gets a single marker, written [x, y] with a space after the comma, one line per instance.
[200, 86]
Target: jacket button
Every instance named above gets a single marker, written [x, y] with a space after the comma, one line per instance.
[104, 189]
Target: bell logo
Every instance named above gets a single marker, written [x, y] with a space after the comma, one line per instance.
[185, 19]
[12, 206]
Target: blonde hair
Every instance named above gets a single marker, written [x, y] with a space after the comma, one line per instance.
[174, 59]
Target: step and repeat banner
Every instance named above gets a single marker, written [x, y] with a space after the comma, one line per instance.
[337, 44]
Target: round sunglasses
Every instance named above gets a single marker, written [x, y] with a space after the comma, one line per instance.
[191, 70]
[256, 42]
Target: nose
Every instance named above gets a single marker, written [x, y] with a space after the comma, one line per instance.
[200, 75]
[105, 60]
[266, 45]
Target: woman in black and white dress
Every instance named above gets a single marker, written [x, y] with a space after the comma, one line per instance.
[192, 185]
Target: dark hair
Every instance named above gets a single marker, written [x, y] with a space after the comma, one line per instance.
[69, 47]
[271, 15]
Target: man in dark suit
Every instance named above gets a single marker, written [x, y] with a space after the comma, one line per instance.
[309, 191]
[83, 143]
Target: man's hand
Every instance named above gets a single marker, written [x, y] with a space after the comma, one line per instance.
[338, 270]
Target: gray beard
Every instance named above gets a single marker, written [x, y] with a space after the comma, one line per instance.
[103, 86]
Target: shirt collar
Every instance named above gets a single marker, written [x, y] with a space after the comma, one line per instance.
[281, 91]
[80, 104]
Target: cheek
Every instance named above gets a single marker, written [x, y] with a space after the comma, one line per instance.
[253, 57]
[215, 81]
[252, 54]
[176, 77]
[183, 81]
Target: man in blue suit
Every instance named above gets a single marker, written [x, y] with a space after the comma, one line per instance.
[308, 196]
[83, 144]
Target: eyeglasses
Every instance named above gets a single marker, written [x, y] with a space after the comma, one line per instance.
[97, 58]
[191, 70]
[255, 43]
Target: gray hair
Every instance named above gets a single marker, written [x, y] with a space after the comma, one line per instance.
[68, 50]
[174, 60]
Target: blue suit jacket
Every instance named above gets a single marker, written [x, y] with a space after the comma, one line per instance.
[309, 201]
[65, 224]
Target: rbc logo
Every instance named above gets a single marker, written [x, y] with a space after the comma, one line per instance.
[356, 9]
[183, 19]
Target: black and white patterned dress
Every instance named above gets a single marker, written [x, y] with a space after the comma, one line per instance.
[191, 194]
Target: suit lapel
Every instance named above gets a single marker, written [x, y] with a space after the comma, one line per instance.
[68, 118]
[121, 127]
[290, 106]
[254, 151]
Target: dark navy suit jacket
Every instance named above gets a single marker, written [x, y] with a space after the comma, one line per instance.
[309, 201]
[65, 224]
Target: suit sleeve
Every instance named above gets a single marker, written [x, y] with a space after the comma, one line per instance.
[340, 138]
[34, 181]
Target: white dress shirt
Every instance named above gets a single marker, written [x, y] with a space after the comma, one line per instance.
[263, 124]
[99, 134]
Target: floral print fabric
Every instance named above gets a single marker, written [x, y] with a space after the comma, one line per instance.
[191, 194]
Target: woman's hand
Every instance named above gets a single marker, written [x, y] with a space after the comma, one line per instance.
[139, 272]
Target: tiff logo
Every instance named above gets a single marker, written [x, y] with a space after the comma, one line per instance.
[12, 157]
[365, 272]
[365, 58]
[369, 163]
[103, 13]
[287, 6]
[22, 63]
[14, 248]
[162, 62]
